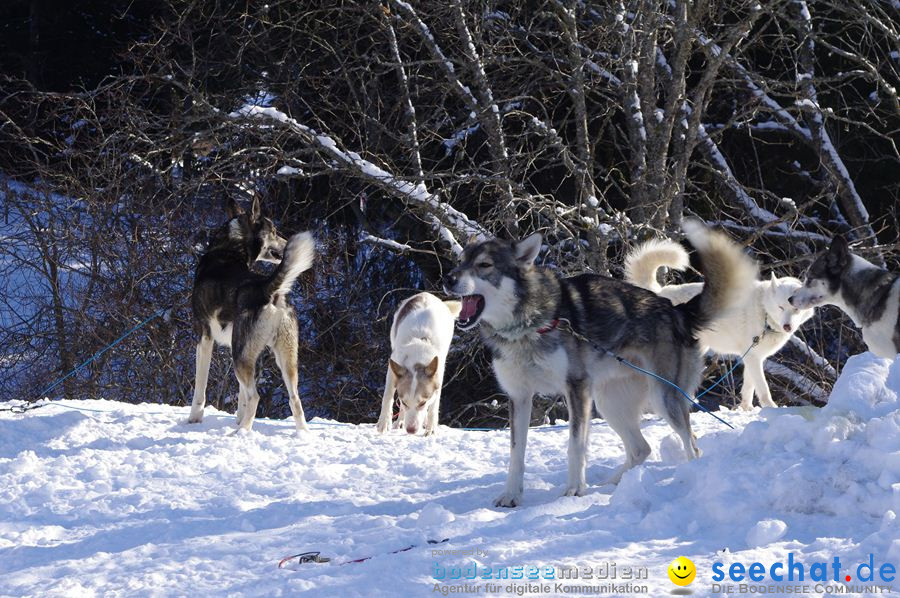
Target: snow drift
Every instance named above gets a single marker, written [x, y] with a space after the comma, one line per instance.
[107, 498]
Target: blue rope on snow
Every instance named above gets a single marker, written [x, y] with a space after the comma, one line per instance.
[96, 355]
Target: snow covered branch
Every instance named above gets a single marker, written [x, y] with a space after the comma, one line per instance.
[817, 359]
[803, 383]
[390, 244]
[409, 107]
[850, 200]
[417, 194]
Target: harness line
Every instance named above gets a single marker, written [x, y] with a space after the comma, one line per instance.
[564, 325]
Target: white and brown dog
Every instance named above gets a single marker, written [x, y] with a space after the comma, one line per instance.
[420, 340]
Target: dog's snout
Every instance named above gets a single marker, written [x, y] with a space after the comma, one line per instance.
[411, 429]
[787, 327]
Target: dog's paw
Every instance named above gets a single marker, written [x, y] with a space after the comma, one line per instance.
[195, 419]
[744, 406]
[508, 500]
[383, 426]
[579, 490]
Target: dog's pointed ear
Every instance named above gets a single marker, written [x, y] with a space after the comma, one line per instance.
[528, 248]
[772, 278]
[233, 208]
[254, 209]
[431, 368]
[838, 256]
[398, 369]
[472, 240]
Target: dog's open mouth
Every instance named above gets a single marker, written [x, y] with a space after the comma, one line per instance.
[472, 306]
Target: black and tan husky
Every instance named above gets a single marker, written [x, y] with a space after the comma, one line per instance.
[238, 308]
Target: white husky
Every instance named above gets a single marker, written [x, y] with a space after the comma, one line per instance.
[766, 312]
[420, 340]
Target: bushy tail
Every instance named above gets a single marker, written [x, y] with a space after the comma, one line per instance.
[642, 263]
[298, 257]
[729, 275]
[454, 307]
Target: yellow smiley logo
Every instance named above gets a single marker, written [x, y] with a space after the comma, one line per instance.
[682, 571]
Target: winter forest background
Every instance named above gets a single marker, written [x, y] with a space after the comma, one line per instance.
[396, 131]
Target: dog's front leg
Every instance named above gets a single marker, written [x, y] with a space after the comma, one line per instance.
[579, 402]
[753, 371]
[519, 419]
[431, 416]
[747, 385]
[387, 404]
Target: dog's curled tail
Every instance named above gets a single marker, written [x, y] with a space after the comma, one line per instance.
[298, 257]
[729, 274]
[643, 262]
[454, 306]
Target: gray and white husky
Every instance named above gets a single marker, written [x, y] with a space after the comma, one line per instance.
[520, 307]
[868, 294]
[238, 308]
[765, 312]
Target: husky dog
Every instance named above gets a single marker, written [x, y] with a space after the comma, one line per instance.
[525, 313]
[868, 294]
[765, 312]
[420, 340]
[238, 308]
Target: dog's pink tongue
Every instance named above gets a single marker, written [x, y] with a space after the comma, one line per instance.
[469, 307]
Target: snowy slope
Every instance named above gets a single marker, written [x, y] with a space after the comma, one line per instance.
[128, 500]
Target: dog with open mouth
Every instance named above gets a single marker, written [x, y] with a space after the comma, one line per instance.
[518, 307]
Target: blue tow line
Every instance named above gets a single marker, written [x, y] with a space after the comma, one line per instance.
[94, 357]
[625, 362]
[737, 362]
[564, 325]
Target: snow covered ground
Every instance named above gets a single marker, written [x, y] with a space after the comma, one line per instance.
[129, 500]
